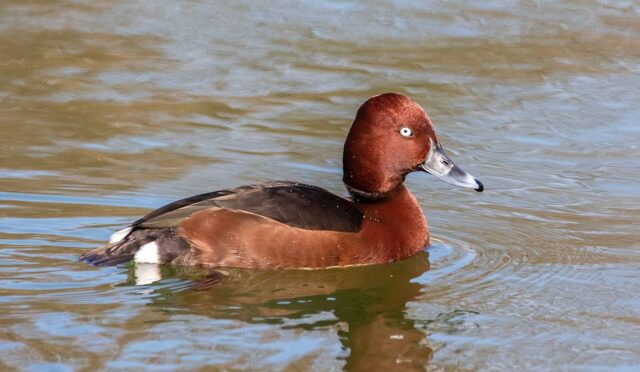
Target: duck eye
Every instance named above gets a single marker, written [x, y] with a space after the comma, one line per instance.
[406, 132]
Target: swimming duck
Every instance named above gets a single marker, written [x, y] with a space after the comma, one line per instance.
[293, 225]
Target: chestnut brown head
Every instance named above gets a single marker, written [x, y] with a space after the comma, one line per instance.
[390, 137]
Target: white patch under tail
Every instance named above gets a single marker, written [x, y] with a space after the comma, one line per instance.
[119, 235]
[148, 253]
[147, 273]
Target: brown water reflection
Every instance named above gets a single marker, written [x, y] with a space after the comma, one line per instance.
[111, 108]
[368, 305]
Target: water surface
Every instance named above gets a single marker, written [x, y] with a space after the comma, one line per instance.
[110, 109]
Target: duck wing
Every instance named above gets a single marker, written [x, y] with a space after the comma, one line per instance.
[292, 203]
[155, 238]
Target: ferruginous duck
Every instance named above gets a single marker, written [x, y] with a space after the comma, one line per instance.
[283, 224]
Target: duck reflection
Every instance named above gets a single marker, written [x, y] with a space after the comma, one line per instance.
[368, 303]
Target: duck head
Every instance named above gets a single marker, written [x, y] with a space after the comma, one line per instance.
[391, 137]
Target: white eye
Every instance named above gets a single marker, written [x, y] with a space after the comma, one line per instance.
[406, 132]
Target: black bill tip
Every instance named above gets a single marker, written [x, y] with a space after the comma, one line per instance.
[480, 186]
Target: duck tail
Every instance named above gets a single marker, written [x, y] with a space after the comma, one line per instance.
[156, 246]
[111, 254]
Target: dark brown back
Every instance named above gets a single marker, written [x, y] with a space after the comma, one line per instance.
[291, 203]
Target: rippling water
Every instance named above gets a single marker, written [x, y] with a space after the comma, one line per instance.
[109, 109]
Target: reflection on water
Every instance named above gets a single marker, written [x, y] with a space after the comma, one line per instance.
[109, 109]
[364, 305]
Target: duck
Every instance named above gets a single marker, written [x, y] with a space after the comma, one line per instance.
[292, 225]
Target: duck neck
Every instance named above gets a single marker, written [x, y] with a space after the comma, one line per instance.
[399, 202]
[361, 196]
[368, 178]
[397, 223]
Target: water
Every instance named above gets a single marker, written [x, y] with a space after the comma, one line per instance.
[110, 109]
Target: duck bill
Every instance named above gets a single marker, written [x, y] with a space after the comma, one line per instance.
[441, 166]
